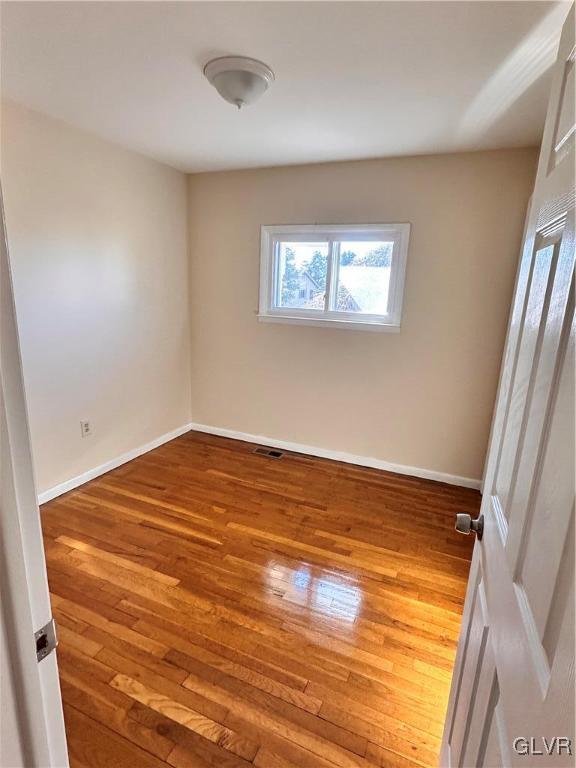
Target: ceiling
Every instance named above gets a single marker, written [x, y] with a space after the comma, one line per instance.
[353, 79]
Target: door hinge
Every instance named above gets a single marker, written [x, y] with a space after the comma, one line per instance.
[46, 640]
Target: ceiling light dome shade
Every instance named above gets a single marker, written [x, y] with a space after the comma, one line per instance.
[238, 79]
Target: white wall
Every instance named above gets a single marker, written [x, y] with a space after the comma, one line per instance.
[421, 398]
[97, 238]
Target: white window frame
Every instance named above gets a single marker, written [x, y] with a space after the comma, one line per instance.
[331, 234]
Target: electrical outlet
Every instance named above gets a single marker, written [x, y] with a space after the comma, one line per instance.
[85, 428]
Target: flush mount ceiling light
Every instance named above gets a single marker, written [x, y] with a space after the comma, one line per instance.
[238, 79]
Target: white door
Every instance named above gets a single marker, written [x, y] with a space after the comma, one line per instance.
[512, 697]
[31, 720]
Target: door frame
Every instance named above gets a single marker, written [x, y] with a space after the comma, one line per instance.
[25, 600]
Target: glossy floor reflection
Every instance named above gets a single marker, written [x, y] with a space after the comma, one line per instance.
[317, 589]
[218, 608]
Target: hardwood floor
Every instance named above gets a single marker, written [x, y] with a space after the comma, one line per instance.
[219, 608]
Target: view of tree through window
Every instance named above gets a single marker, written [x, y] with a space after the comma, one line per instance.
[303, 271]
[361, 276]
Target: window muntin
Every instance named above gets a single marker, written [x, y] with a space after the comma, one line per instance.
[344, 276]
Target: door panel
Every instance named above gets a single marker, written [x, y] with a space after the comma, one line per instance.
[564, 134]
[490, 739]
[514, 673]
[541, 558]
[470, 672]
[494, 748]
[557, 326]
[533, 317]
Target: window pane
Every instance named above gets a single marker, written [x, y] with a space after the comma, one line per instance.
[301, 275]
[363, 277]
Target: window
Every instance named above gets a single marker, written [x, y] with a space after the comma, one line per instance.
[334, 275]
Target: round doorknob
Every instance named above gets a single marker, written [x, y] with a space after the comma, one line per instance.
[466, 525]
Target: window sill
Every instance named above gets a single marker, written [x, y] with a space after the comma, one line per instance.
[348, 325]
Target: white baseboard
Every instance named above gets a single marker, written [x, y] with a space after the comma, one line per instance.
[74, 482]
[311, 450]
[349, 458]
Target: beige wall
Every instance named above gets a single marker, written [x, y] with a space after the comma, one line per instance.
[97, 238]
[421, 398]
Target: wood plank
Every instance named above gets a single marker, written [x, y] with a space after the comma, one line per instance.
[189, 718]
[125, 562]
[190, 748]
[97, 746]
[219, 610]
[117, 720]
